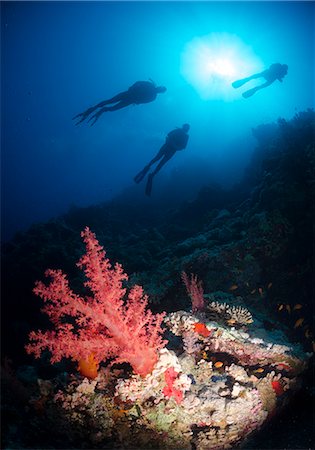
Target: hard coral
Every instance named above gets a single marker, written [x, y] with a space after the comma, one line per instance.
[103, 325]
[232, 315]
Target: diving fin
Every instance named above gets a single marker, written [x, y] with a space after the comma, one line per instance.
[238, 83]
[249, 93]
[139, 177]
[148, 187]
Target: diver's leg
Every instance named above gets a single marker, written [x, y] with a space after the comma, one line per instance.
[239, 83]
[139, 177]
[251, 92]
[163, 161]
[257, 75]
[166, 157]
[97, 115]
[120, 105]
[148, 187]
[159, 154]
[117, 98]
[167, 153]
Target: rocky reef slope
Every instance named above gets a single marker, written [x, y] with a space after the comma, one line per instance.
[251, 247]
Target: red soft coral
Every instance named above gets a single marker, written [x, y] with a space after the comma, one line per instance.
[102, 326]
[169, 390]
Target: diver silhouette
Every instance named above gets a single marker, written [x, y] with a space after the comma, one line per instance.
[139, 92]
[175, 140]
[275, 72]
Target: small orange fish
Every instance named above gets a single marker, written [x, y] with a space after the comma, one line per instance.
[280, 307]
[218, 364]
[201, 328]
[260, 370]
[298, 306]
[288, 308]
[299, 322]
[233, 287]
[269, 285]
[260, 290]
[204, 355]
[253, 291]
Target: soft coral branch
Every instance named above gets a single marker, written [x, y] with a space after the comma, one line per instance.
[195, 291]
[103, 325]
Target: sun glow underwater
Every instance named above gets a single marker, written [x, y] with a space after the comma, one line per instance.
[211, 63]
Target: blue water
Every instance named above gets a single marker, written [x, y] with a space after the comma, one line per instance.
[59, 58]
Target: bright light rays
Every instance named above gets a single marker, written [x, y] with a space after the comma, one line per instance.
[211, 63]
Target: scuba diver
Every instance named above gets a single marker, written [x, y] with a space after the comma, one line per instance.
[275, 72]
[139, 92]
[176, 140]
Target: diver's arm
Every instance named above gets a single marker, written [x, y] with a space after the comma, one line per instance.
[186, 141]
[181, 145]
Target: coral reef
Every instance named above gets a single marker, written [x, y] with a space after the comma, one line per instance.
[190, 400]
[230, 364]
[233, 315]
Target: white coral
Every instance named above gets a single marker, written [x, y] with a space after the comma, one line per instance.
[238, 373]
[183, 382]
[140, 389]
[232, 315]
[180, 322]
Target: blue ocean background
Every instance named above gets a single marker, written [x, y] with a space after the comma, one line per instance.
[59, 58]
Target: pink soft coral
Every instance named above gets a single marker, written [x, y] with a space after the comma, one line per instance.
[102, 326]
[195, 291]
[169, 390]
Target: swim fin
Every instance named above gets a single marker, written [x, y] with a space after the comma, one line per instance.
[148, 187]
[249, 93]
[139, 177]
[238, 83]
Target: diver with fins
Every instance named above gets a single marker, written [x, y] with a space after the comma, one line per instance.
[139, 92]
[175, 140]
[275, 72]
